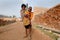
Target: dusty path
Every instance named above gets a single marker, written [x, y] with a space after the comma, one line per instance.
[16, 31]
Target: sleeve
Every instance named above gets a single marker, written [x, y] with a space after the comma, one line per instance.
[21, 13]
[31, 15]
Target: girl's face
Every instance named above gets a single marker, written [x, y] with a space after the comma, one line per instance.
[23, 7]
[30, 9]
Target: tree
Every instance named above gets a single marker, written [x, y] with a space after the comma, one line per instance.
[14, 16]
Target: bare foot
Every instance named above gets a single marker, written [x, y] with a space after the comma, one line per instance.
[26, 36]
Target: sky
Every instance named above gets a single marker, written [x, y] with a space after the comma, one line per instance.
[13, 7]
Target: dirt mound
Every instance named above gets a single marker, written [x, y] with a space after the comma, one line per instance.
[50, 18]
[5, 22]
[39, 10]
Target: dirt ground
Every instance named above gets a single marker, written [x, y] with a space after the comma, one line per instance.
[16, 31]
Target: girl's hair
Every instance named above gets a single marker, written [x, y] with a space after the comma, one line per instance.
[23, 5]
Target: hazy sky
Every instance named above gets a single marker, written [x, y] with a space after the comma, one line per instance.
[12, 7]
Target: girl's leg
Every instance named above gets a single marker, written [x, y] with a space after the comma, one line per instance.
[25, 33]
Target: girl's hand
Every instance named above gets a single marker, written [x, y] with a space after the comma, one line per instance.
[26, 16]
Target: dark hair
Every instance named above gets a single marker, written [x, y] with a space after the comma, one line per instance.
[23, 5]
[30, 7]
